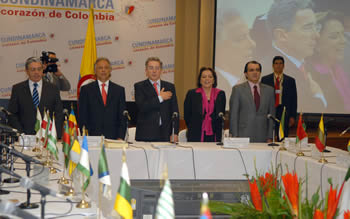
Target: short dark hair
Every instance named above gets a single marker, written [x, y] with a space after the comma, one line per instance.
[252, 62]
[200, 75]
[155, 59]
[277, 58]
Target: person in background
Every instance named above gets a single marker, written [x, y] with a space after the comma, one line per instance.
[157, 105]
[285, 93]
[202, 108]
[250, 104]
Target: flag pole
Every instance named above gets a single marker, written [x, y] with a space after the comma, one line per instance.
[100, 189]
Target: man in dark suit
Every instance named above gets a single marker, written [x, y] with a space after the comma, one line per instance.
[102, 104]
[157, 106]
[285, 93]
[26, 96]
[295, 31]
[250, 103]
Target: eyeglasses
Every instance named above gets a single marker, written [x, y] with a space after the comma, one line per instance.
[36, 69]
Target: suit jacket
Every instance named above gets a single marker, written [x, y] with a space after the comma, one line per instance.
[24, 112]
[100, 119]
[306, 102]
[150, 110]
[193, 113]
[245, 121]
[60, 82]
[289, 98]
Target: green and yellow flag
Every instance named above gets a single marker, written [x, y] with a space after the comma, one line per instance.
[281, 129]
[122, 201]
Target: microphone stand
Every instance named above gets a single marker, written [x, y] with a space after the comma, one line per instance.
[273, 136]
[10, 141]
[222, 132]
[173, 130]
[2, 149]
[127, 131]
[27, 204]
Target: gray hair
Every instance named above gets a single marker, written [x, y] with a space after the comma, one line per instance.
[102, 59]
[30, 60]
[282, 13]
[155, 59]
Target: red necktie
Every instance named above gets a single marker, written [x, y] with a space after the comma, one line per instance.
[256, 97]
[104, 94]
[155, 87]
[277, 92]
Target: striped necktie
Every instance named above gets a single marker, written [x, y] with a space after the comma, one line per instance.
[35, 95]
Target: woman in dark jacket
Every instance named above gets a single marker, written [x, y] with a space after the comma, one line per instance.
[202, 107]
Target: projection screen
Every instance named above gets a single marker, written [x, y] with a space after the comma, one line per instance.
[312, 36]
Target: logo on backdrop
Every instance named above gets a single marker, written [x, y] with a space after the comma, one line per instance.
[100, 41]
[161, 21]
[152, 44]
[117, 64]
[23, 39]
[168, 68]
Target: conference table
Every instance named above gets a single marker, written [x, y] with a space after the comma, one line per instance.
[206, 161]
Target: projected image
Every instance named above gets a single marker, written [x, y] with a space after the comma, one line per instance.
[312, 36]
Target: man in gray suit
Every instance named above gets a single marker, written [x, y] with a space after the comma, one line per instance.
[250, 103]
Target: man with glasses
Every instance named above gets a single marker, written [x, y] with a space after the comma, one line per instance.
[26, 96]
[157, 106]
[294, 30]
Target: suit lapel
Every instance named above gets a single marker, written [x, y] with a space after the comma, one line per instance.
[98, 92]
[109, 93]
[149, 86]
[28, 94]
[248, 91]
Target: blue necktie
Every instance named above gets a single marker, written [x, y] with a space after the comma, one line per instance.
[35, 95]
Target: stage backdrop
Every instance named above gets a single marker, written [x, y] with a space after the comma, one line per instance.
[127, 32]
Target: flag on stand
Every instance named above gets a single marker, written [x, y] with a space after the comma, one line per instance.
[52, 139]
[48, 129]
[349, 146]
[38, 122]
[84, 163]
[103, 174]
[89, 54]
[73, 124]
[122, 203]
[205, 211]
[74, 156]
[165, 207]
[281, 128]
[44, 127]
[301, 129]
[66, 143]
[320, 140]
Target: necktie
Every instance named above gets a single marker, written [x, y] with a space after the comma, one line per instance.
[35, 95]
[155, 87]
[104, 94]
[277, 92]
[256, 98]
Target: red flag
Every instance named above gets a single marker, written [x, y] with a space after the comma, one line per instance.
[301, 133]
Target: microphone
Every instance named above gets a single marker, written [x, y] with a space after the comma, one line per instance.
[175, 114]
[126, 114]
[30, 184]
[2, 109]
[345, 131]
[7, 207]
[9, 172]
[269, 116]
[8, 128]
[221, 115]
[21, 155]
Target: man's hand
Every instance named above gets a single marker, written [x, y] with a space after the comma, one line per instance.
[58, 73]
[291, 122]
[176, 138]
[166, 95]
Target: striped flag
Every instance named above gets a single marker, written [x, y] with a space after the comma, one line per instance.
[73, 125]
[165, 207]
[38, 122]
[84, 163]
[103, 174]
[320, 140]
[43, 127]
[122, 201]
[52, 139]
[74, 156]
[87, 73]
[205, 211]
[281, 128]
[66, 143]
[301, 129]
[48, 129]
